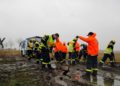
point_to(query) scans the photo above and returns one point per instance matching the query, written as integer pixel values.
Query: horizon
(20, 19)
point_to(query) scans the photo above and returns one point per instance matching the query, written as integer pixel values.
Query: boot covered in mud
(49, 66)
(43, 66)
(73, 62)
(87, 76)
(94, 79)
(94, 73)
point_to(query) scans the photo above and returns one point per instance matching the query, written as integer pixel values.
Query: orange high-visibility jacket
(93, 46)
(64, 48)
(77, 46)
(58, 46)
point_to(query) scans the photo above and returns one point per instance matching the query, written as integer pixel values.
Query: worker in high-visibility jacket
(30, 48)
(58, 50)
(64, 51)
(77, 49)
(92, 50)
(45, 56)
(47, 44)
(37, 52)
(49, 41)
(72, 52)
(108, 53)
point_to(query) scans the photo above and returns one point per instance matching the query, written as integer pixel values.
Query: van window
(23, 44)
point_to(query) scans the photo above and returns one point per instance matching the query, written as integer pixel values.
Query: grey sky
(24, 18)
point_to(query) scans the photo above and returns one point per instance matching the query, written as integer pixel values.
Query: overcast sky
(26, 18)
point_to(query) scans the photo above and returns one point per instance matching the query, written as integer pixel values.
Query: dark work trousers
(111, 57)
(92, 63)
(45, 59)
(59, 56)
(64, 55)
(30, 54)
(51, 49)
(77, 53)
(73, 57)
(107, 56)
(37, 56)
(83, 54)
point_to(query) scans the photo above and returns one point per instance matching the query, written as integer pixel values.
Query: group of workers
(51, 48)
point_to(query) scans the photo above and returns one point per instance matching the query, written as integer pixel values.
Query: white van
(24, 44)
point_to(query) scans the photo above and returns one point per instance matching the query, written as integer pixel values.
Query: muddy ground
(18, 71)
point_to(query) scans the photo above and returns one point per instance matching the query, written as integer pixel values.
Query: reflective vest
(50, 41)
(30, 45)
(71, 46)
(108, 51)
(37, 46)
(41, 45)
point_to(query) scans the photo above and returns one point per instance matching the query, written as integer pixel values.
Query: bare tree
(1, 42)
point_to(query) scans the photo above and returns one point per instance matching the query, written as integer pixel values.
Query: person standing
(92, 51)
(58, 51)
(72, 51)
(77, 49)
(64, 50)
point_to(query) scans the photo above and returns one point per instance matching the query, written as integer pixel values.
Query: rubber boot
(73, 62)
(69, 62)
(94, 79)
(49, 66)
(94, 74)
(43, 66)
(87, 76)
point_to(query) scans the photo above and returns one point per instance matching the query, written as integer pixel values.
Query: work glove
(77, 36)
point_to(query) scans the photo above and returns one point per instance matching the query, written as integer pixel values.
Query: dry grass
(117, 56)
(13, 53)
(9, 53)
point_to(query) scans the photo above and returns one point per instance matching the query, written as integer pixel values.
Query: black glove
(77, 36)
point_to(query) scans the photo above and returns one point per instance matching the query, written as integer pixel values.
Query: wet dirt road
(18, 71)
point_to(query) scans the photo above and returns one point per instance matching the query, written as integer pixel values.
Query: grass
(14, 53)
(117, 56)
(9, 53)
